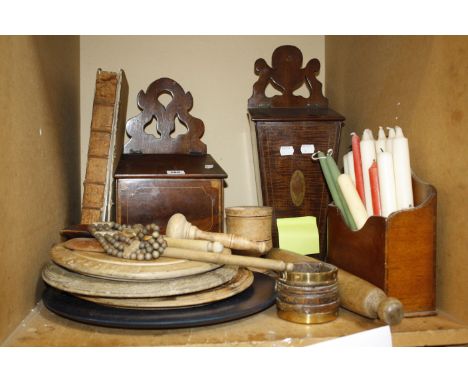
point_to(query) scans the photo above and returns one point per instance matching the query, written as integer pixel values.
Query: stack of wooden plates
(81, 275)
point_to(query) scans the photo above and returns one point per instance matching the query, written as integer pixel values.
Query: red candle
(355, 144)
(375, 190)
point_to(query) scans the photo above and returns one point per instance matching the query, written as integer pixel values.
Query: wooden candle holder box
(397, 253)
(285, 130)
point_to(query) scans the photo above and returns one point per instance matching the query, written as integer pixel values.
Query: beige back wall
(420, 84)
(39, 155)
(217, 70)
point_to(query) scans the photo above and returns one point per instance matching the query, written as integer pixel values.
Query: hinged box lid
(293, 114)
(168, 166)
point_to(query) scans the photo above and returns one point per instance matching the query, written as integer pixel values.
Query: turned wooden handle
(197, 245)
(356, 294)
(232, 241)
(220, 258)
(179, 227)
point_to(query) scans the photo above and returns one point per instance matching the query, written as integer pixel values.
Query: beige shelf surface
(44, 328)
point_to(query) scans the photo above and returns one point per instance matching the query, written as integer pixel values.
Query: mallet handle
(230, 240)
(197, 245)
(221, 258)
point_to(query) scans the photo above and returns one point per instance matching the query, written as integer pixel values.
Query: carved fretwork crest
(287, 75)
(151, 108)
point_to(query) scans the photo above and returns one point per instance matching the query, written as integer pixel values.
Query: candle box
(285, 130)
(396, 254)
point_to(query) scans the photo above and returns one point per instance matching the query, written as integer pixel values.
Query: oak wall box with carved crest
(286, 129)
(159, 175)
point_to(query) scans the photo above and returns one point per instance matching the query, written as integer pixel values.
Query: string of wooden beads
(136, 242)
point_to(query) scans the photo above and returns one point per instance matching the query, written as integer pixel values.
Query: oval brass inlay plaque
(297, 187)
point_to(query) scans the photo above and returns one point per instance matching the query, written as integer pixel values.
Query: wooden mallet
(179, 227)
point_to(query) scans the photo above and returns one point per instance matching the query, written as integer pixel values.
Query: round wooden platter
(76, 283)
(99, 264)
(240, 282)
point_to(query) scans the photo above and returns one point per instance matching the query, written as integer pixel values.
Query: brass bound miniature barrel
(308, 294)
(251, 222)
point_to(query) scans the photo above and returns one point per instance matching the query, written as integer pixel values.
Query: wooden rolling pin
(356, 294)
(220, 258)
(179, 227)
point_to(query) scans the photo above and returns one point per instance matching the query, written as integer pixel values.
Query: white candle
(368, 134)
(345, 165)
(381, 140)
(356, 207)
(402, 170)
(349, 158)
(388, 143)
(386, 183)
(367, 157)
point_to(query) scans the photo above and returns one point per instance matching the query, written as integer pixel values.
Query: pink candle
(356, 146)
(375, 191)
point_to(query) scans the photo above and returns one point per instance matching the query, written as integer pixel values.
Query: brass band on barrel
(305, 318)
(308, 294)
(310, 274)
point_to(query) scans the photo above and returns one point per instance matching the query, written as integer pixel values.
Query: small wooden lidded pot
(308, 294)
(251, 222)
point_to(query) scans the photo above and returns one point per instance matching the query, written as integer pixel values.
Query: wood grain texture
(92, 245)
(154, 166)
(397, 254)
(432, 114)
(275, 172)
(84, 244)
(76, 283)
(187, 249)
(240, 282)
(44, 328)
(355, 294)
(253, 223)
(164, 174)
(292, 184)
(105, 145)
(287, 75)
(221, 258)
(179, 107)
(102, 265)
(179, 227)
(146, 193)
(148, 201)
(40, 156)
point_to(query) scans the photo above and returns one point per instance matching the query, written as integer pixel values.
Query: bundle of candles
(376, 179)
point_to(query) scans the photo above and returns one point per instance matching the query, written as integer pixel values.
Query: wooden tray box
(397, 254)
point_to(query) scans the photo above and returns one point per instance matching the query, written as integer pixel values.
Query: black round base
(259, 296)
